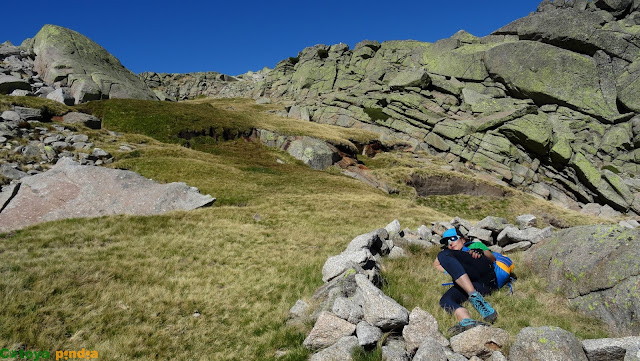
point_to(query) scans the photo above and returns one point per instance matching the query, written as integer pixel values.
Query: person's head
(452, 239)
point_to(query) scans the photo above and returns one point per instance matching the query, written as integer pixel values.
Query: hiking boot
(464, 325)
(486, 311)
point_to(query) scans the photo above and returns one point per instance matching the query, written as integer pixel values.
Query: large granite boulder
(532, 131)
(447, 57)
(70, 190)
(314, 152)
(573, 29)
(571, 78)
(63, 55)
(598, 269)
(379, 309)
(546, 343)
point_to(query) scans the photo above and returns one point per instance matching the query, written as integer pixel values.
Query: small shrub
(323, 54)
(611, 168)
(294, 60)
(359, 354)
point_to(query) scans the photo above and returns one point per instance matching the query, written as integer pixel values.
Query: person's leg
(465, 283)
(451, 301)
(449, 261)
(461, 313)
(487, 312)
(451, 264)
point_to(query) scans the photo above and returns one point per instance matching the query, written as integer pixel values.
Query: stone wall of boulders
(547, 104)
(351, 311)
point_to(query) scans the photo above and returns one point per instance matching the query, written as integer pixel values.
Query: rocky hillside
(66, 66)
(547, 104)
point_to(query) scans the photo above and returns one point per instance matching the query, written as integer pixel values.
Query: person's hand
(476, 253)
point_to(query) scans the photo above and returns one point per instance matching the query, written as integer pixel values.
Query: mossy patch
(376, 114)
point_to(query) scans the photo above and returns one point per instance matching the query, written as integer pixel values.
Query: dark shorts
(480, 272)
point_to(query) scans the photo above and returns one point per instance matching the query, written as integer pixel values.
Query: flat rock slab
(70, 190)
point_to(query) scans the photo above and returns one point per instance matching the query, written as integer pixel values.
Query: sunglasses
(451, 239)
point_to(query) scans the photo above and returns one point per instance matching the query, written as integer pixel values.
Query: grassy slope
(128, 286)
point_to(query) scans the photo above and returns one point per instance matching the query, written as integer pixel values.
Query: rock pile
(17, 74)
(30, 142)
(350, 311)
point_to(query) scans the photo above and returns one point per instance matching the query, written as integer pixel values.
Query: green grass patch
(49, 107)
(362, 355)
(470, 207)
(224, 118)
(376, 114)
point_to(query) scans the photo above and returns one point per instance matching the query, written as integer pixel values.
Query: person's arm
(437, 265)
(490, 256)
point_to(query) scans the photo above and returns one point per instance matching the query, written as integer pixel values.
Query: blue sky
(233, 37)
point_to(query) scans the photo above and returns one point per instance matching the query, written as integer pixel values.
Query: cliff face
(548, 103)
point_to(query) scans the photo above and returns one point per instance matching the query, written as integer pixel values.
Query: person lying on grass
(473, 276)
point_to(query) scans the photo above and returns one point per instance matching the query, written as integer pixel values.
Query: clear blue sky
(233, 37)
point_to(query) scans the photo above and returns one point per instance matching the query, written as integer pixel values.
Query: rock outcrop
(598, 269)
(547, 104)
(65, 56)
(71, 190)
(66, 66)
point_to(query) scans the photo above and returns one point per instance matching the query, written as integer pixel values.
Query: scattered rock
(379, 309)
(327, 331)
(479, 341)
(80, 118)
(422, 326)
(367, 335)
(430, 350)
(546, 343)
(340, 351)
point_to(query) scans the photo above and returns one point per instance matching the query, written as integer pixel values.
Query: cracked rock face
(70, 190)
(598, 269)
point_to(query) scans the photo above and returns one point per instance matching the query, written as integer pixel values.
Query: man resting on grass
(473, 276)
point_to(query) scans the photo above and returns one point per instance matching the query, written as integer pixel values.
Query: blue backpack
(503, 267)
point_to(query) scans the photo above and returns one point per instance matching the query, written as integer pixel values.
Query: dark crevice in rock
(575, 45)
(6, 202)
(427, 185)
(219, 134)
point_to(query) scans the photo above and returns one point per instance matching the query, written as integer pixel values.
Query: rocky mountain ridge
(546, 104)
